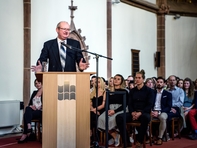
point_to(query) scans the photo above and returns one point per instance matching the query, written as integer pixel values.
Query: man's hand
(37, 68)
(185, 108)
(136, 115)
(33, 107)
(173, 110)
(155, 113)
(82, 65)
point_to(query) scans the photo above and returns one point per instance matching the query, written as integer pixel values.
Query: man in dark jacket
(162, 105)
(59, 57)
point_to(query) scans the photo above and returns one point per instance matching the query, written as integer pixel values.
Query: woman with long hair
(97, 109)
(115, 107)
(188, 88)
(32, 111)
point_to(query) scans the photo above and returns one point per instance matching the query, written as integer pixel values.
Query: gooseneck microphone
(71, 47)
(68, 46)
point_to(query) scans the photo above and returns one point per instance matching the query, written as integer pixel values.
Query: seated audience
(140, 103)
(115, 107)
(32, 111)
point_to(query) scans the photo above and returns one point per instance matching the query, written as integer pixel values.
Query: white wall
(11, 50)
(131, 29)
(181, 47)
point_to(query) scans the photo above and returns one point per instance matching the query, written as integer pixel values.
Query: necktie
(62, 56)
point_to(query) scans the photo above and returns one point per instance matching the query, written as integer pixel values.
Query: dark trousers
(29, 115)
(170, 116)
(144, 119)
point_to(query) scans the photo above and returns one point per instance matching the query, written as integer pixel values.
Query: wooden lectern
(66, 109)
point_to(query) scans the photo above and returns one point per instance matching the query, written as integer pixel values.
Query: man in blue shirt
(177, 100)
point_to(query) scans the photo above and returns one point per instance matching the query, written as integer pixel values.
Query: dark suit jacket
(166, 101)
(50, 52)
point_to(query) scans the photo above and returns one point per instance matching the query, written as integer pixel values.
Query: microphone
(71, 47)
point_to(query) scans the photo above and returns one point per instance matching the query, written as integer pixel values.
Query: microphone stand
(96, 143)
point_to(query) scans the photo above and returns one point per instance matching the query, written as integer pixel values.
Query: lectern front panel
(66, 112)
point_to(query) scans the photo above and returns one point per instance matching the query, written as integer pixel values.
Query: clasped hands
(154, 113)
(111, 112)
(34, 107)
(135, 115)
(94, 110)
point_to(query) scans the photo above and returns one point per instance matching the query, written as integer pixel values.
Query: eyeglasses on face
(65, 29)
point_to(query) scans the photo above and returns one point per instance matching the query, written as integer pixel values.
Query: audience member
(180, 83)
(140, 104)
(188, 88)
(162, 105)
(92, 82)
(129, 78)
(149, 83)
(177, 101)
(97, 108)
(110, 83)
(115, 107)
(131, 84)
(32, 111)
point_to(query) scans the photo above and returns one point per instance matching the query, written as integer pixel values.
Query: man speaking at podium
(59, 57)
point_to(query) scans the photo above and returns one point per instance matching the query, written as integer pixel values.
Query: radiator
(9, 113)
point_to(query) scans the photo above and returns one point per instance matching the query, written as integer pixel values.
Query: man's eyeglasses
(65, 29)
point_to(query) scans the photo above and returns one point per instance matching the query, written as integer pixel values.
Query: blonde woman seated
(115, 107)
(101, 102)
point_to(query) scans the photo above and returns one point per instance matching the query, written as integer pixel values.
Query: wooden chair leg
(150, 134)
(172, 129)
(35, 130)
(134, 136)
(179, 128)
(39, 133)
(144, 143)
